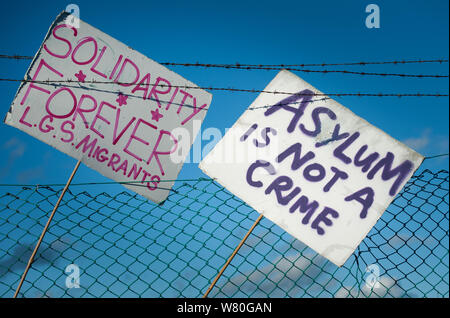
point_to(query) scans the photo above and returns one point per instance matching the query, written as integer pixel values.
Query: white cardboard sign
(311, 166)
(107, 105)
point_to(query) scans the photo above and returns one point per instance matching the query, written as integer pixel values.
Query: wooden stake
(30, 261)
(232, 256)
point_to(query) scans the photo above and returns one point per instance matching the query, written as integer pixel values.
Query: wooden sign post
(31, 259)
(232, 256)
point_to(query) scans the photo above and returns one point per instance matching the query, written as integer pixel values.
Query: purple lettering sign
(312, 166)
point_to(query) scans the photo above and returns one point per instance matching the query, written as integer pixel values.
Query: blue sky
(253, 32)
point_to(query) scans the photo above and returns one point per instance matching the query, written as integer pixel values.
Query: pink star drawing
(81, 76)
(156, 115)
(122, 99)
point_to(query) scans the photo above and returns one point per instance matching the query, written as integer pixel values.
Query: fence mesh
(126, 246)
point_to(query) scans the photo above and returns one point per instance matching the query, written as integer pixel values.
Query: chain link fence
(126, 246)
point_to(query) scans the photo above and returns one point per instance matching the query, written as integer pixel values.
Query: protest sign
(311, 166)
(99, 101)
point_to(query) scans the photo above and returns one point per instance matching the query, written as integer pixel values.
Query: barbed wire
(232, 89)
(398, 62)
(198, 64)
(279, 104)
(294, 67)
